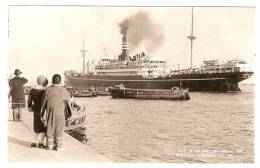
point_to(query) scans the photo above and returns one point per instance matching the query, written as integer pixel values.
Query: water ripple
(209, 128)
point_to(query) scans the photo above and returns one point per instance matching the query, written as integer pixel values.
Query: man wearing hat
(17, 93)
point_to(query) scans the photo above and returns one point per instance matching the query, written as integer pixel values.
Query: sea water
(209, 128)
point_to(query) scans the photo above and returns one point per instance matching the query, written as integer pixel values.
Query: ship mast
(83, 55)
(191, 37)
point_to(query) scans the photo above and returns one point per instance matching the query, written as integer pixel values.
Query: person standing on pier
(34, 105)
(16, 91)
(53, 103)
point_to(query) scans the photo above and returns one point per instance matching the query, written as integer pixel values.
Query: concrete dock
(20, 137)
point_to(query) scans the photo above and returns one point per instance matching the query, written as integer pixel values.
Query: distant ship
(142, 71)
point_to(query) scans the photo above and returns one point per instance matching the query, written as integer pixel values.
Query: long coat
(34, 102)
(17, 91)
(53, 103)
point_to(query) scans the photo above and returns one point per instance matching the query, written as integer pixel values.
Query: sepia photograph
(131, 84)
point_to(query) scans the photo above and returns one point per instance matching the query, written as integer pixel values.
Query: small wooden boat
(84, 94)
(81, 92)
(101, 91)
(76, 124)
(175, 93)
(77, 119)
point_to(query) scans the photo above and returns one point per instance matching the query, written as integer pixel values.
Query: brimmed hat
(17, 72)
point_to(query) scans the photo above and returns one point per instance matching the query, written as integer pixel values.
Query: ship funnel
(125, 47)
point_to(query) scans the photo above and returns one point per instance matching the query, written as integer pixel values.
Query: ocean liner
(142, 71)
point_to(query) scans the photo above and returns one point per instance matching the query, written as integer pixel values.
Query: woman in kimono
(34, 105)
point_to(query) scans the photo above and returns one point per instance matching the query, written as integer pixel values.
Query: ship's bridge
(139, 64)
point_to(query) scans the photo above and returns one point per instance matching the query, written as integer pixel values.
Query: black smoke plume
(141, 29)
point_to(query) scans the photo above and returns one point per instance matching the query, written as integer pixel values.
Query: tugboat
(175, 93)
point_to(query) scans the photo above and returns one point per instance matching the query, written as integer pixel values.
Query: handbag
(67, 110)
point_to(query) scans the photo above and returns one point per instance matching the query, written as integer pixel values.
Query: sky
(48, 39)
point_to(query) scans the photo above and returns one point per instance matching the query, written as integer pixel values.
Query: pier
(20, 137)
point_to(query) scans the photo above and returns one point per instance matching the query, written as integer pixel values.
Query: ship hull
(222, 82)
